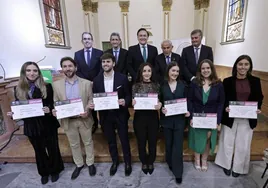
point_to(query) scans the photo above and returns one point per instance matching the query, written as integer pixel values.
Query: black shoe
(151, 169)
(144, 168)
(113, 168)
(92, 170)
(55, 177)
(178, 180)
(44, 180)
(94, 128)
(235, 175)
(128, 169)
(227, 172)
(76, 172)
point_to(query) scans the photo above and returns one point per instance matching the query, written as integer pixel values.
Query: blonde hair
(23, 86)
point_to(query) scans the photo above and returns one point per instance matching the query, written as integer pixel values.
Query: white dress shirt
(199, 50)
(109, 83)
(85, 53)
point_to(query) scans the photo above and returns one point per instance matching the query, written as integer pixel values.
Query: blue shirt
(72, 90)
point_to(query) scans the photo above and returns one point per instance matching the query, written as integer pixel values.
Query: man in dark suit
(120, 54)
(162, 60)
(111, 81)
(140, 53)
(88, 65)
(193, 55)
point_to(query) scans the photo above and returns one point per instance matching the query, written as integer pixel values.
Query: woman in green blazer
(172, 89)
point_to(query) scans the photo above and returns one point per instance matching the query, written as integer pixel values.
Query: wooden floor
(20, 150)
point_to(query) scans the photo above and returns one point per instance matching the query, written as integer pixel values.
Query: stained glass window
(234, 29)
(54, 29)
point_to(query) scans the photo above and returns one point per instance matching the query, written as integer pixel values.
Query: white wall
(146, 12)
(255, 44)
(22, 37)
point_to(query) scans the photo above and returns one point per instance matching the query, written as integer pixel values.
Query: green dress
(198, 137)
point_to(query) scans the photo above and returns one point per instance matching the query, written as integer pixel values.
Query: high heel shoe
(144, 168)
(151, 169)
(204, 168)
(197, 165)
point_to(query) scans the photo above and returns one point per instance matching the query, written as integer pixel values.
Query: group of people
(171, 76)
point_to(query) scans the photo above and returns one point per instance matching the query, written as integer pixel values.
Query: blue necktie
(116, 56)
(167, 59)
(88, 57)
(144, 53)
(196, 55)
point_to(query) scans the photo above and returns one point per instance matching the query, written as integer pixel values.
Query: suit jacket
(85, 90)
(189, 65)
(161, 65)
(42, 125)
(85, 71)
(230, 95)
(121, 87)
(176, 121)
(214, 104)
(135, 58)
(121, 65)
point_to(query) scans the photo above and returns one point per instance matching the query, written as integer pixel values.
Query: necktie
(116, 56)
(167, 59)
(144, 53)
(196, 55)
(88, 57)
(31, 90)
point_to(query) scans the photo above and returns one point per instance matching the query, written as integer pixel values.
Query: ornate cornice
(95, 7)
(87, 5)
(201, 4)
(166, 5)
(124, 6)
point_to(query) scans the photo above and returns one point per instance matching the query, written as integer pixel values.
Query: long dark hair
(246, 57)
(139, 74)
(170, 65)
(213, 76)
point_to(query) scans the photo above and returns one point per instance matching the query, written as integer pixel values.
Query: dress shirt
(146, 48)
(72, 90)
(109, 83)
(199, 50)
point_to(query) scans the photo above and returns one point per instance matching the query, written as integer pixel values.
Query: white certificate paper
(243, 109)
(175, 107)
(145, 101)
(205, 120)
(69, 108)
(105, 101)
(27, 109)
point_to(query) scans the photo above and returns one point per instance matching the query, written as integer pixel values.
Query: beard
(108, 70)
(69, 74)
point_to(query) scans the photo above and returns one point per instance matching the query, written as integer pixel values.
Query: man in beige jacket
(72, 87)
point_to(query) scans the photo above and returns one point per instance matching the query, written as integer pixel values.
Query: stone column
(201, 15)
(124, 5)
(91, 20)
(166, 13)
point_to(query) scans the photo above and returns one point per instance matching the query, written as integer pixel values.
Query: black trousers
(174, 149)
(109, 126)
(146, 125)
(47, 154)
(95, 118)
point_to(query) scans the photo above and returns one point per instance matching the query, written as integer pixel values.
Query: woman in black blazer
(172, 89)
(236, 133)
(41, 131)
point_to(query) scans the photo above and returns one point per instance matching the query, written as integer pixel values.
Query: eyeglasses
(87, 38)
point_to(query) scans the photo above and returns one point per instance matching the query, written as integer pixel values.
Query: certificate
(205, 121)
(105, 101)
(69, 108)
(27, 109)
(145, 101)
(243, 109)
(175, 107)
